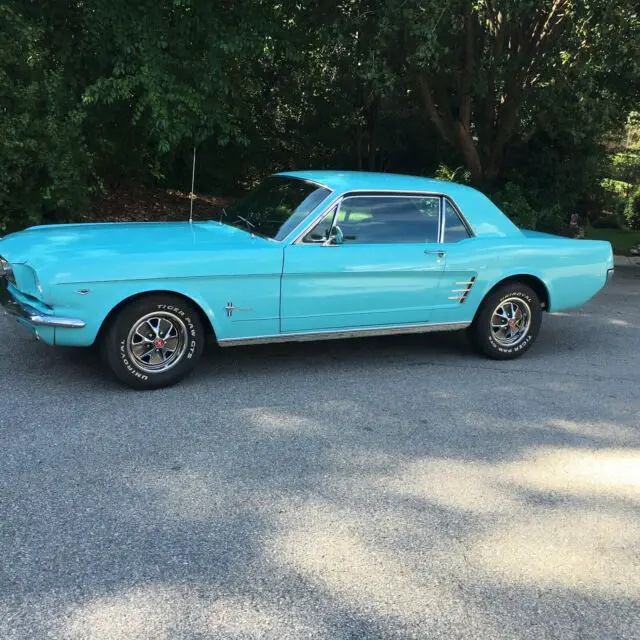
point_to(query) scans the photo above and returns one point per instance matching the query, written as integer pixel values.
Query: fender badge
(230, 308)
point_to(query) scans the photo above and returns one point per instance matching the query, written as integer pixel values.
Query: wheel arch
(205, 317)
(535, 282)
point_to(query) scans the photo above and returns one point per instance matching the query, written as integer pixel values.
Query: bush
(512, 201)
(632, 211)
(460, 174)
(43, 161)
(611, 221)
(516, 205)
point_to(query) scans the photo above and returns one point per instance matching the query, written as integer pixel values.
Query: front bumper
(22, 310)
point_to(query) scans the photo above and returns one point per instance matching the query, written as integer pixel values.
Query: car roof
(348, 180)
(483, 216)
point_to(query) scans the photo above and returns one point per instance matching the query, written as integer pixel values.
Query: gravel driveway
(377, 488)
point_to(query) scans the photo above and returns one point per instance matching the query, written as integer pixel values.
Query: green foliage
(617, 187)
(527, 96)
(493, 75)
(623, 241)
(607, 221)
(460, 174)
(43, 162)
(632, 211)
(625, 168)
(513, 201)
(187, 70)
(623, 171)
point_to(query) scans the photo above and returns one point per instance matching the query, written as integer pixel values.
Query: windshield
(276, 207)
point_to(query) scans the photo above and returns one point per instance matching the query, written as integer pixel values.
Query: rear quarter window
(454, 229)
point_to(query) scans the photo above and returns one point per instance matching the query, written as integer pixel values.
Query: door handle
(439, 253)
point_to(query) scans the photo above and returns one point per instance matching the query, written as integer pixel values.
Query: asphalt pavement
(376, 488)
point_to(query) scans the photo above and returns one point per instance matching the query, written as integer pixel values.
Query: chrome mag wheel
(157, 342)
(510, 322)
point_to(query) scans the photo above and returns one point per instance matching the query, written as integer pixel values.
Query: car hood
(39, 245)
(69, 249)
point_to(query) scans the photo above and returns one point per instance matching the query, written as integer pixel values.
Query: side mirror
(335, 236)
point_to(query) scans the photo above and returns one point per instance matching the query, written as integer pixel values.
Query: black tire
(496, 345)
(124, 347)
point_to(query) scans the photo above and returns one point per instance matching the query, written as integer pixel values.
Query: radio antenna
(192, 195)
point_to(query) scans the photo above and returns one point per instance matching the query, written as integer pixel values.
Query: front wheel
(508, 321)
(154, 341)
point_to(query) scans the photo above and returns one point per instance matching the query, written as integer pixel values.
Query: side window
(389, 219)
(454, 229)
(320, 233)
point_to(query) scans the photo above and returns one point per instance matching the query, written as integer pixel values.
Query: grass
(622, 241)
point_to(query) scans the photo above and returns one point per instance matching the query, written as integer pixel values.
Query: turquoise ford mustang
(307, 255)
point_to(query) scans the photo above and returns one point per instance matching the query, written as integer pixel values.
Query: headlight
(26, 280)
(21, 276)
(6, 271)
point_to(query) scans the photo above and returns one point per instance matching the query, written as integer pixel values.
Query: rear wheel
(507, 322)
(154, 341)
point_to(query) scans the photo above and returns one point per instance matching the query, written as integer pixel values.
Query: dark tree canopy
(97, 94)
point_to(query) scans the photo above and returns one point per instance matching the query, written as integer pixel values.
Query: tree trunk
(373, 128)
(481, 123)
(453, 130)
(469, 152)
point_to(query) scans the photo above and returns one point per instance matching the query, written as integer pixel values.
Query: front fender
(95, 303)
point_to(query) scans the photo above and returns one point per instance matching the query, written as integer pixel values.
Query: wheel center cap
(158, 343)
(512, 324)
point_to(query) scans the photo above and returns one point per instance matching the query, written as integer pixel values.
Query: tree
(481, 83)
(43, 160)
(94, 94)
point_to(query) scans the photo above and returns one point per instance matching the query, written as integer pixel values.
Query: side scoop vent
(460, 294)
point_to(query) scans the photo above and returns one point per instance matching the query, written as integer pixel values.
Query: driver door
(381, 268)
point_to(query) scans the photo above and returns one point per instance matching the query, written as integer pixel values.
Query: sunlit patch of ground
(579, 549)
(605, 472)
(158, 611)
(132, 615)
(594, 429)
(544, 539)
(333, 551)
(276, 422)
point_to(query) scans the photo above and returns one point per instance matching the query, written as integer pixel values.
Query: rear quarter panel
(573, 271)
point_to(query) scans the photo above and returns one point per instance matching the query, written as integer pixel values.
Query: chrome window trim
(373, 193)
(456, 208)
(400, 195)
(441, 221)
(309, 180)
(305, 228)
(285, 240)
(294, 231)
(335, 208)
(307, 225)
(338, 334)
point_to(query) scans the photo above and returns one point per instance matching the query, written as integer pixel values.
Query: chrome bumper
(610, 273)
(24, 311)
